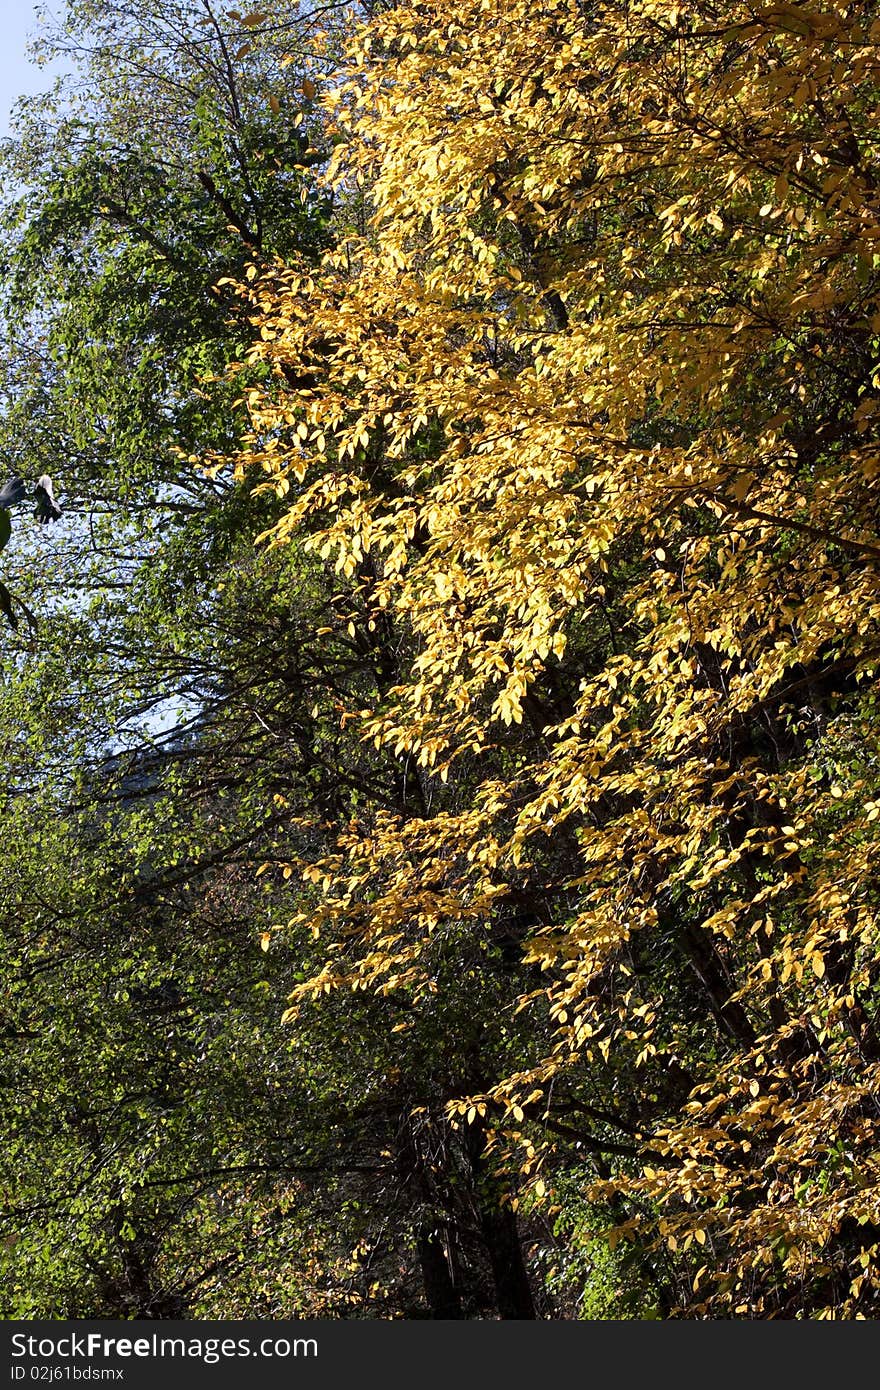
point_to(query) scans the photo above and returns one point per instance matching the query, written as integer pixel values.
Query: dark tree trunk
(441, 1294)
(512, 1290)
(513, 1294)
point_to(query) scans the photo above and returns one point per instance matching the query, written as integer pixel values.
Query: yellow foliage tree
(589, 412)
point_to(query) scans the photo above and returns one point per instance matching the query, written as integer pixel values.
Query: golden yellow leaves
(566, 396)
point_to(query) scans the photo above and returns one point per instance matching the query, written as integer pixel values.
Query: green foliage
(601, 1281)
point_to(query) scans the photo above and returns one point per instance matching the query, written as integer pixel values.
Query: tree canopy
(483, 400)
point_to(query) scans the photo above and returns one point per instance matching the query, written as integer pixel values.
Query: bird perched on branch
(47, 508)
(16, 490)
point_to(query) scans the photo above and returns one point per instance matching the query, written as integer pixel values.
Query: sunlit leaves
(595, 393)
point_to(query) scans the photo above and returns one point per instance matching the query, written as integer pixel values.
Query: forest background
(441, 733)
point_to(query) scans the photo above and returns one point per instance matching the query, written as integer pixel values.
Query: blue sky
(17, 75)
